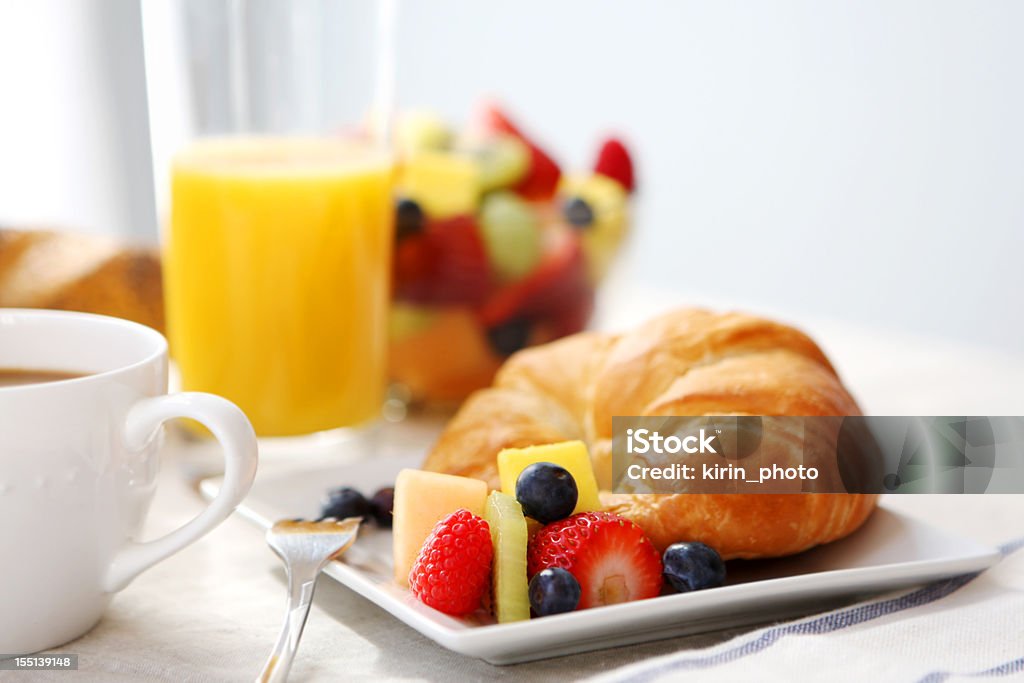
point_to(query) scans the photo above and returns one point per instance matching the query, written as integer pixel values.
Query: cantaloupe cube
(572, 455)
(422, 499)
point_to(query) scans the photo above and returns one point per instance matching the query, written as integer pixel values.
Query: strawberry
(453, 570)
(557, 285)
(611, 558)
(541, 178)
(614, 162)
(571, 319)
(414, 262)
(491, 119)
(445, 264)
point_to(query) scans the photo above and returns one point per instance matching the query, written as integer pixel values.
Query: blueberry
(547, 492)
(381, 505)
(344, 502)
(509, 337)
(553, 591)
(693, 566)
(578, 212)
(409, 219)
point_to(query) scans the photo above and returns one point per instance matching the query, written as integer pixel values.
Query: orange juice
(277, 263)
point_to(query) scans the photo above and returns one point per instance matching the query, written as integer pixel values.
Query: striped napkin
(965, 628)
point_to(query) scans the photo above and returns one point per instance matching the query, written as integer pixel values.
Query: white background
(858, 160)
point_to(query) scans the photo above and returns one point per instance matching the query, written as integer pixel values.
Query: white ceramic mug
(78, 466)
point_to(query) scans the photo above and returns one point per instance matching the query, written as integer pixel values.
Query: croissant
(65, 271)
(687, 362)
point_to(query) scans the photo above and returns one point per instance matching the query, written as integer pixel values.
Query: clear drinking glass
(274, 181)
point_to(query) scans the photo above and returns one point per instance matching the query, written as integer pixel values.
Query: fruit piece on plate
(447, 360)
(504, 160)
(443, 183)
(554, 591)
(453, 568)
(546, 491)
(693, 567)
(382, 504)
(613, 161)
(558, 289)
(406, 320)
(418, 130)
(511, 234)
(611, 558)
(446, 264)
(508, 532)
(541, 179)
(597, 207)
(572, 455)
(421, 500)
(344, 502)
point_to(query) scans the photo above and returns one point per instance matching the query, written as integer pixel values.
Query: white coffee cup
(78, 466)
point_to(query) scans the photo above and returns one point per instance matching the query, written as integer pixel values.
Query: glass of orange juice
(278, 219)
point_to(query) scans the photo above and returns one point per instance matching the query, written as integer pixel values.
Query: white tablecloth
(212, 612)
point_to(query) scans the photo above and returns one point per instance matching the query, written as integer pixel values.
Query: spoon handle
(301, 583)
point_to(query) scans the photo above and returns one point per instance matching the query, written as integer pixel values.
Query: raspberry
(453, 570)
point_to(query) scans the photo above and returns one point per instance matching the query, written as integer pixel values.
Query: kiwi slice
(504, 514)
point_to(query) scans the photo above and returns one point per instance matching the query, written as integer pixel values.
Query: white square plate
(891, 551)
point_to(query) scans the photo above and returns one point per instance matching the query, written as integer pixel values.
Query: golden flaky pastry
(70, 272)
(688, 362)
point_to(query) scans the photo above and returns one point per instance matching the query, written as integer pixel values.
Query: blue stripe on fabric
(1014, 667)
(825, 624)
(1011, 546)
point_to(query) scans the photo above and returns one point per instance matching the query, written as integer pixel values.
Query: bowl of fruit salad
(496, 248)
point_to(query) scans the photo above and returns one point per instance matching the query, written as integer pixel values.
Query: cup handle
(238, 441)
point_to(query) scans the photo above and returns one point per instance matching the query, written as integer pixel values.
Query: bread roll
(688, 362)
(65, 271)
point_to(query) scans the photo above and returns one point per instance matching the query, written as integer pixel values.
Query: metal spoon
(305, 548)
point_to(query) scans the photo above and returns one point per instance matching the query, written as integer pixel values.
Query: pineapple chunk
(444, 183)
(609, 202)
(572, 455)
(422, 499)
(511, 600)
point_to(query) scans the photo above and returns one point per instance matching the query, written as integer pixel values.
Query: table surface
(211, 613)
